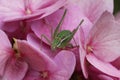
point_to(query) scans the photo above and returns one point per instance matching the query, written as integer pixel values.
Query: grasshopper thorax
(61, 39)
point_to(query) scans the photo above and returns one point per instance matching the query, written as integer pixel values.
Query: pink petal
(4, 41)
(59, 77)
(93, 9)
(15, 70)
(104, 77)
(115, 63)
(66, 63)
(83, 62)
(16, 29)
(36, 42)
(35, 75)
(37, 59)
(36, 5)
(11, 10)
(109, 5)
(5, 50)
(117, 17)
(10, 26)
(46, 30)
(32, 75)
(3, 60)
(82, 53)
(49, 10)
(105, 67)
(105, 43)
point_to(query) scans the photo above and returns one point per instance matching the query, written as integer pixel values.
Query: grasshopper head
(53, 47)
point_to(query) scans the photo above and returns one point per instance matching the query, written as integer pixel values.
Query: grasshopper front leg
(43, 36)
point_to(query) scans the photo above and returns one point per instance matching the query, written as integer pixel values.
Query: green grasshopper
(61, 39)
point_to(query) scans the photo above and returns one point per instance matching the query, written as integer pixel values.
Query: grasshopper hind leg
(69, 45)
(75, 42)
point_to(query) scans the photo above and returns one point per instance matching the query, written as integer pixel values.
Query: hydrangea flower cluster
(29, 27)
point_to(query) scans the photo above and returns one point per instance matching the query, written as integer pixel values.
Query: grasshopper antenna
(58, 26)
(79, 24)
(75, 30)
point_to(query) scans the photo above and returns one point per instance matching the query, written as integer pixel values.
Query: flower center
(44, 74)
(28, 11)
(89, 49)
(27, 7)
(17, 54)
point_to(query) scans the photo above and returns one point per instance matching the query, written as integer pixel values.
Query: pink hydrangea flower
(58, 67)
(24, 9)
(101, 46)
(12, 66)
